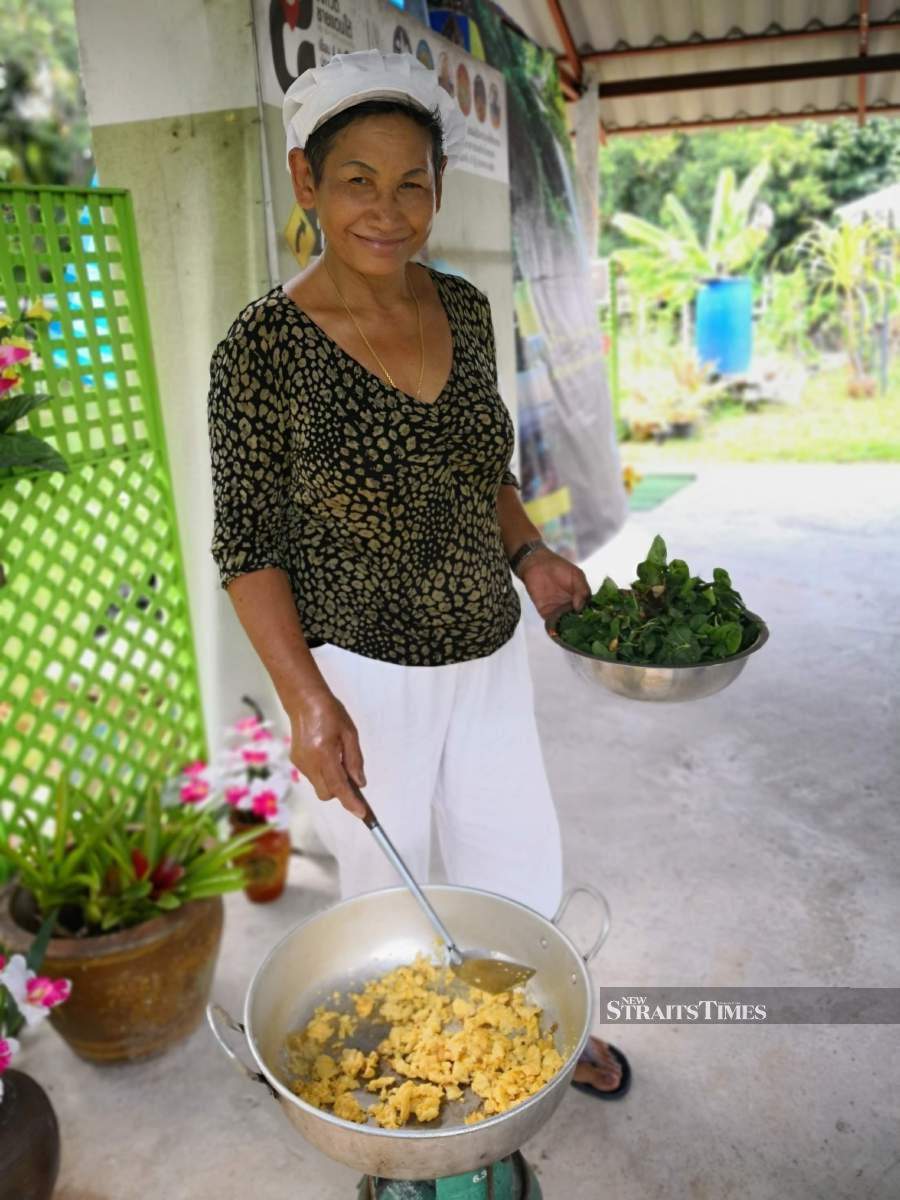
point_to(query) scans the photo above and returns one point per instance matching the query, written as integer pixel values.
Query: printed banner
(570, 471)
(479, 91)
(294, 36)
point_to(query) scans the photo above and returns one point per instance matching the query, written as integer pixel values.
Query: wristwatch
(523, 552)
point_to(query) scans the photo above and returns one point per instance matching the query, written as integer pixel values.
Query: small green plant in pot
(136, 887)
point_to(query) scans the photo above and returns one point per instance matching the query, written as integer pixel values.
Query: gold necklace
(369, 345)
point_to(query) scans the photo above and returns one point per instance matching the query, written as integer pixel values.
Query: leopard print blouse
(380, 508)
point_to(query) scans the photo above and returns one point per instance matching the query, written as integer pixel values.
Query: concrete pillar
(171, 94)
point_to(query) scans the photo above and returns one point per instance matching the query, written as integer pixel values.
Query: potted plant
(134, 886)
(29, 1132)
(250, 781)
(670, 262)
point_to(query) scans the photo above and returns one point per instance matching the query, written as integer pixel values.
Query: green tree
(44, 132)
(815, 167)
(859, 161)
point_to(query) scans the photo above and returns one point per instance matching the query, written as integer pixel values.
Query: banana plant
(670, 261)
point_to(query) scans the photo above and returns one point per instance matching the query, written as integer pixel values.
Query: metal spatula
(490, 974)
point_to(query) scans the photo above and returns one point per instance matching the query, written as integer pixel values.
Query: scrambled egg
(441, 1044)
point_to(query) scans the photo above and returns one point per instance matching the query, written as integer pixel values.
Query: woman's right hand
(325, 748)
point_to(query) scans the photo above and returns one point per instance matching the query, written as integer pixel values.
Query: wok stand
(510, 1179)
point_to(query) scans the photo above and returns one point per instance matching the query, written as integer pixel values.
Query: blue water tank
(725, 324)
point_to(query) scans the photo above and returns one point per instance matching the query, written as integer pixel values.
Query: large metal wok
(364, 937)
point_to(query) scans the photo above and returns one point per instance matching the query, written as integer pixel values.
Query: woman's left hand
(552, 581)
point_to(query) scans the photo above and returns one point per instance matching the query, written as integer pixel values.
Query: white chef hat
(349, 79)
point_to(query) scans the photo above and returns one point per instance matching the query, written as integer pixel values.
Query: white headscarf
(349, 79)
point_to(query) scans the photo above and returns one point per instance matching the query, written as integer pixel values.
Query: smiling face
(377, 194)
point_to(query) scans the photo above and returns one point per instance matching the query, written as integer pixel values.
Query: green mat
(654, 489)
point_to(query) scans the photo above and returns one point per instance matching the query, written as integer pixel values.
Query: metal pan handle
(605, 915)
(215, 1014)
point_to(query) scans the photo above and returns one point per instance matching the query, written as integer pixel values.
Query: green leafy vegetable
(668, 617)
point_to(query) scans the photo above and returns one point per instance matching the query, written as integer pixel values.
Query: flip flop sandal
(624, 1083)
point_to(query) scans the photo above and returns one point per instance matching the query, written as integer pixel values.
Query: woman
(366, 521)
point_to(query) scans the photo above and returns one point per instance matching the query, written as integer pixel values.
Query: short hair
(321, 140)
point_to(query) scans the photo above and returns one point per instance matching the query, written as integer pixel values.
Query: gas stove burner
(509, 1179)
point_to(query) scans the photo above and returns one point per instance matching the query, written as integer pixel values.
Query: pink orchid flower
(194, 768)
(7, 382)
(47, 993)
(2, 961)
(194, 791)
(265, 804)
(234, 795)
(255, 758)
(12, 354)
(9, 1047)
(295, 775)
(19, 979)
(246, 725)
(262, 735)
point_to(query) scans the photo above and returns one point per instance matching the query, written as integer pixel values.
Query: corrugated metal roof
(620, 26)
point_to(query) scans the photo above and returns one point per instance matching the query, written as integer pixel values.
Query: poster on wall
(295, 35)
(456, 27)
(479, 90)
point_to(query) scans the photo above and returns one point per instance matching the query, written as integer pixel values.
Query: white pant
(459, 741)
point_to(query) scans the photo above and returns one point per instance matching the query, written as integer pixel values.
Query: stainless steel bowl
(655, 683)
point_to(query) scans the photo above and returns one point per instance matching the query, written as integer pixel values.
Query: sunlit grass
(825, 426)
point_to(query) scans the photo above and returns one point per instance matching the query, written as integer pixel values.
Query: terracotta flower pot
(29, 1140)
(265, 860)
(135, 993)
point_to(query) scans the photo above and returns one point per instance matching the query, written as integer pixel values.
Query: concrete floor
(746, 839)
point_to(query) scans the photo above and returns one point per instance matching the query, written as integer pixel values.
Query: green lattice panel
(98, 679)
